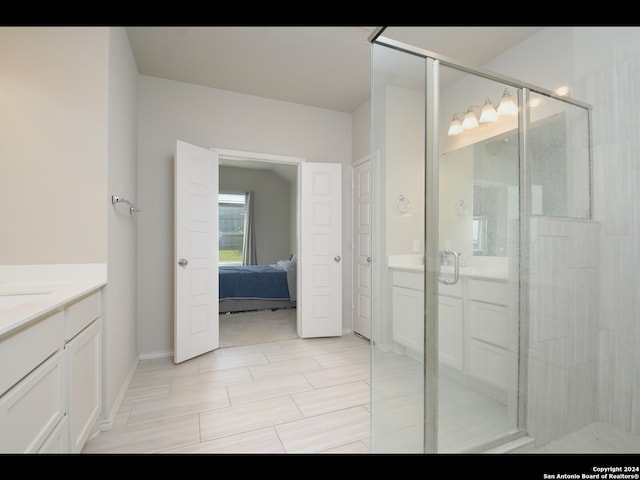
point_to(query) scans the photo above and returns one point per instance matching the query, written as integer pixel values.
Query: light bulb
(507, 106)
(470, 121)
(455, 127)
(489, 113)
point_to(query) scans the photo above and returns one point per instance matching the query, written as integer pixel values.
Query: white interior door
(362, 248)
(320, 259)
(196, 251)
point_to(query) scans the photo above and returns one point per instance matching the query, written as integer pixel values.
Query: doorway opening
(274, 188)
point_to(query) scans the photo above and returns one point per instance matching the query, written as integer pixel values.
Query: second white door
(362, 248)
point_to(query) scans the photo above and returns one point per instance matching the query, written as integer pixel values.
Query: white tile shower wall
(611, 91)
(562, 327)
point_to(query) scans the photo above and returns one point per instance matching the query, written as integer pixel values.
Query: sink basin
(10, 300)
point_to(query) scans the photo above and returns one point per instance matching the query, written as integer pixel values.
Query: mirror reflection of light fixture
(507, 106)
(470, 120)
(455, 127)
(489, 113)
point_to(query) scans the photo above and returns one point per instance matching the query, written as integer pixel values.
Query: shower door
(477, 259)
(445, 244)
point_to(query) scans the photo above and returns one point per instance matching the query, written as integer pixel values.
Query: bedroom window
(231, 212)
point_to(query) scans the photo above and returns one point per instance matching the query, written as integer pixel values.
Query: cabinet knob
(183, 262)
(369, 259)
(337, 258)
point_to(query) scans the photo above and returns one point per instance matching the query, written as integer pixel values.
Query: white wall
(361, 131)
(53, 119)
(120, 295)
(271, 215)
(69, 140)
(170, 111)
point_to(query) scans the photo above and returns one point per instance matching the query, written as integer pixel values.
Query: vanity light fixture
(470, 120)
(455, 127)
(489, 113)
(507, 106)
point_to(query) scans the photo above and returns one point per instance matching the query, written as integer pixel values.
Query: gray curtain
(249, 255)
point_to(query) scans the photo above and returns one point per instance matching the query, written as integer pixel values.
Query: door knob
(337, 258)
(183, 262)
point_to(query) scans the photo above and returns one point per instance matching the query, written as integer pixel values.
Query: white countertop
(30, 292)
(464, 272)
(484, 270)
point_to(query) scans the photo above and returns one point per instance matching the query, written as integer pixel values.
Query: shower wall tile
(562, 326)
(615, 379)
(619, 284)
(617, 194)
(606, 365)
(623, 381)
(580, 396)
(635, 208)
(547, 404)
(583, 322)
(600, 188)
(555, 352)
(635, 405)
(584, 244)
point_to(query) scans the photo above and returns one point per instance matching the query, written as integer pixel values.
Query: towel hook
(116, 199)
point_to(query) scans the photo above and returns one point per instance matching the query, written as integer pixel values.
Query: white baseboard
(107, 423)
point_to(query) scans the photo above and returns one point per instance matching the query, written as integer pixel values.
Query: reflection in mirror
(485, 176)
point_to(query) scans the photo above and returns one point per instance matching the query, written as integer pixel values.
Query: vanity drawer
(80, 314)
(30, 411)
(28, 348)
(406, 279)
(490, 292)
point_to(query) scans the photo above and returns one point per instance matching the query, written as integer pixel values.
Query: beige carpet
(250, 328)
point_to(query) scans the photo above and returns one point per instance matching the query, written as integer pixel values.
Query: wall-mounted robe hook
(116, 199)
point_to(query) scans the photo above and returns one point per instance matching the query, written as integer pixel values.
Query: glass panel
(558, 149)
(471, 293)
(398, 139)
(478, 307)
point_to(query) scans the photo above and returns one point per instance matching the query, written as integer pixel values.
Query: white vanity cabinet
(451, 325)
(408, 308)
(83, 351)
(474, 327)
(50, 380)
(489, 328)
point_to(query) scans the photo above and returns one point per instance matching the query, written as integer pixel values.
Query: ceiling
(325, 67)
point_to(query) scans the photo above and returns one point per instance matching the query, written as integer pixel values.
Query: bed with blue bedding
(257, 287)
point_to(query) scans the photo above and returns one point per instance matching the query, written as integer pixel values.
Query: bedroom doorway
(319, 244)
(257, 231)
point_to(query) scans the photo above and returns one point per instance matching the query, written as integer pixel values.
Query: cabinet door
(85, 385)
(30, 411)
(408, 327)
(450, 331)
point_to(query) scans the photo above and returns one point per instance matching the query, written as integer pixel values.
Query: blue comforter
(253, 281)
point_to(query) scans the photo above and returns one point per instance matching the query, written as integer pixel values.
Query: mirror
(480, 180)
(484, 177)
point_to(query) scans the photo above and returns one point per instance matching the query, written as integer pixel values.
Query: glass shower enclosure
(463, 160)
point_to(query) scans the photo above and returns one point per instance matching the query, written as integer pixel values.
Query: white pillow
(285, 264)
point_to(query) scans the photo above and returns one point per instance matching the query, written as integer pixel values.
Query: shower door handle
(456, 267)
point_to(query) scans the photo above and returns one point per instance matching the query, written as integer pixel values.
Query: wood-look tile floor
(304, 396)
(290, 396)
